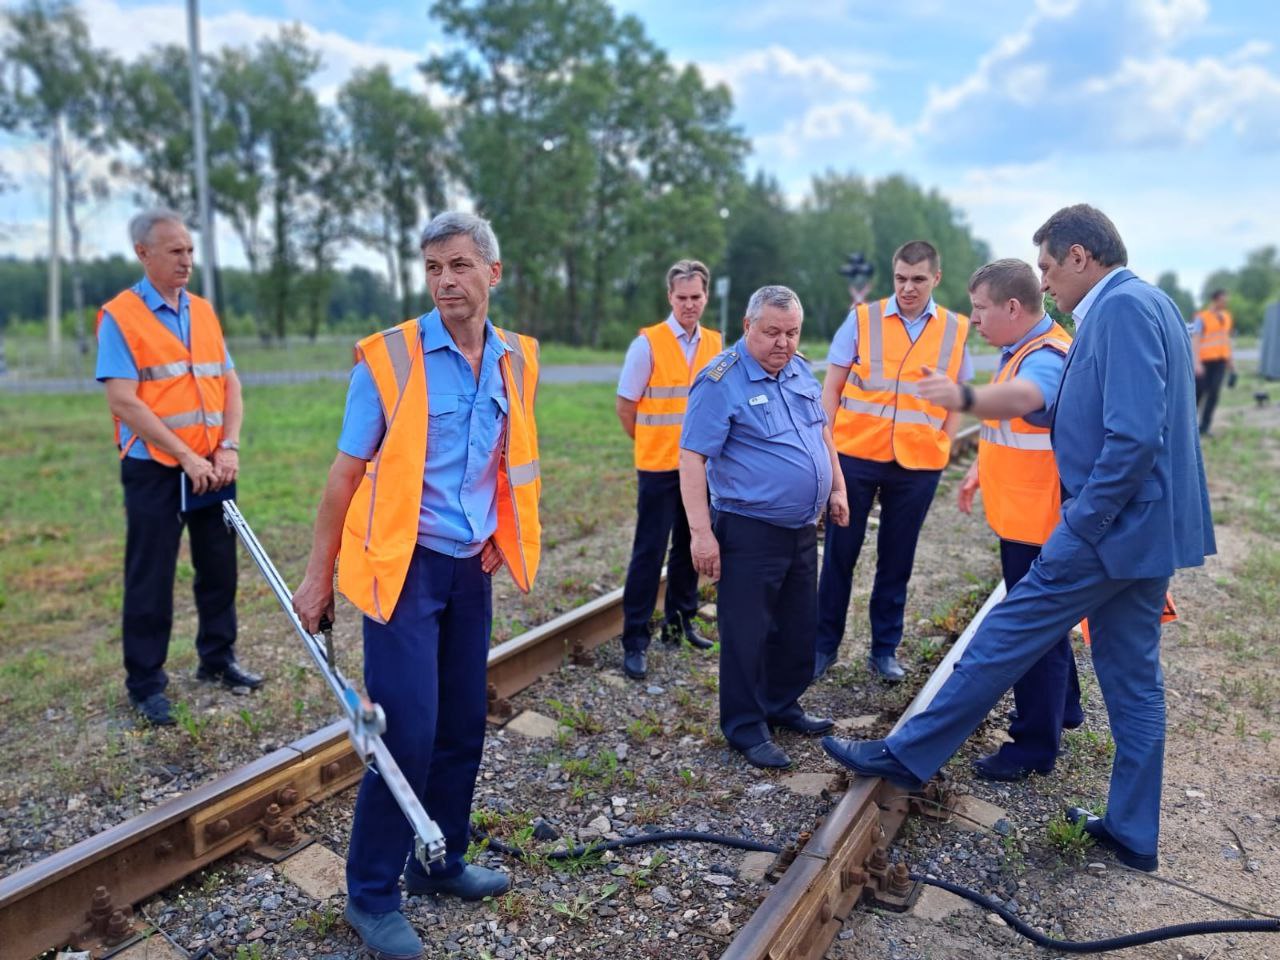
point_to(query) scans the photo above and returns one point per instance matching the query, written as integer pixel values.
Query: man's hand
(490, 557)
(838, 508)
(1199, 369)
(226, 467)
(706, 553)
(200, 472)
(968, 487)
(313, 602)
(937, 388)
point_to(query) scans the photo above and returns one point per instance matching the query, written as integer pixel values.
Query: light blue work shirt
(844, 345)
(762, 437)
(466, 417)
(1086, 302)
(1042, 366)
(637, 365)
(115, 359)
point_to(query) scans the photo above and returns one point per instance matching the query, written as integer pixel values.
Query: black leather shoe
(697, 640)
(1094, 827)
(870, 758)
(673, 632)
(995, 767)
(887, 668)
(634, 664)
(231, 676)
(154, 709)
(767, 754)
(473, 883)
(821, 663)
(806, 723)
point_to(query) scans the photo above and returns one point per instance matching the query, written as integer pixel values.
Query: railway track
(83, 895)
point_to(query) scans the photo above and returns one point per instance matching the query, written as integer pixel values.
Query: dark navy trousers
(905, 496)
(1065, 584)
(660, 518)
(1049, 693)
(766, 608)
(426, 668)
(153, 533)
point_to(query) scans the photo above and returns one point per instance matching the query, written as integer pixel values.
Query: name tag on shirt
(756, 401)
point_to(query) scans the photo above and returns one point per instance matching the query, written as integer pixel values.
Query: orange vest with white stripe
(1021, 492)
(881, 417)
(660, 410)
(185, 388)
(381, 526)
(1215, 334)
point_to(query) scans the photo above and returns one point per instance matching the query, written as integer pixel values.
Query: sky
(1163, 113)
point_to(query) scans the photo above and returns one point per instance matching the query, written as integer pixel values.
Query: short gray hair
(143, 223)
(774, 295)
(455, 223)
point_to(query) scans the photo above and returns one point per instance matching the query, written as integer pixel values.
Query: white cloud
(777, 64)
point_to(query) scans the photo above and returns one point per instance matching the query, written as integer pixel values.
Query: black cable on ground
(1111, 943)
(1173, 932)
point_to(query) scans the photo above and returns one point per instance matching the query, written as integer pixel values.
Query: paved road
(559, 373)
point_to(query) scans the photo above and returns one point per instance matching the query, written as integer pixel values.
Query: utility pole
(208, 255)
(55, 242)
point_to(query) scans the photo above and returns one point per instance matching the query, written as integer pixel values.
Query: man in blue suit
(1134, 509)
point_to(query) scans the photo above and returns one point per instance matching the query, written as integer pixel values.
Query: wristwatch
(966, 397)
(230, 445)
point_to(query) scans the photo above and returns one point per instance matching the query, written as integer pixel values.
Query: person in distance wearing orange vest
(893, 445)
(1211, 348)
(1020, 488)
(653, 391)
(434, 488)
(175, 397)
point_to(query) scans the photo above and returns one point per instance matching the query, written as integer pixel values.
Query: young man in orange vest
(434, 488)
(893, 445)
(653, 390)
(175, 396)
(1020, 488)
(1211, 348)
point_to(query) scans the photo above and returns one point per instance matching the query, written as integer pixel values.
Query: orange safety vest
(1016, 471)
(185, 388)
(1168, 615)
(880, 416)
(381, 526)
(660, 411)
(1215, 334)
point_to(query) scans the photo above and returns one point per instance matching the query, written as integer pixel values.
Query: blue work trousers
(1065, 584)
(660, 518)
(426, 668)
(766, 608)
(152, 496)
(1049, 693)
(905, 496)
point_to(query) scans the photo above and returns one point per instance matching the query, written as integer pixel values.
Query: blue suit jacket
(1125, 435)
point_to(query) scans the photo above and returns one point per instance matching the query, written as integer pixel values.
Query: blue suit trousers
(1065, 584)
(905, 496)
(426, 667)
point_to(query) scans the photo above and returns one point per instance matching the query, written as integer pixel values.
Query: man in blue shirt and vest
(175, 396)
(1135, 508)
(756, 435)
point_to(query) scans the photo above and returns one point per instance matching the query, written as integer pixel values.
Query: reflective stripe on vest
(380, 530)
(184, 387)
(1215, 334)
(881, 415)
(1017, 475)
(660, 409)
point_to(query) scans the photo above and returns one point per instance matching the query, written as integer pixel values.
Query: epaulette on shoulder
(718, 371)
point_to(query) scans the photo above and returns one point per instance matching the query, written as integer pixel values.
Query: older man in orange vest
(175, 396)
(434, 488)
(1211, 350)
(653, 391)
(893, 444)
(1020, 488)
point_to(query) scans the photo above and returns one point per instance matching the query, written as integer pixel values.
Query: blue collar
(151, 296)
(891, 308)
(1042, 326)
(436, 336)
(752, 366)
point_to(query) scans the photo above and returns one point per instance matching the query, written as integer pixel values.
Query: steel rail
(83, 895)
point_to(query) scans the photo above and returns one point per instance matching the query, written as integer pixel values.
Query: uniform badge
(727, 361)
